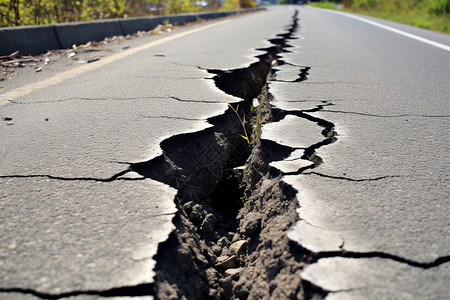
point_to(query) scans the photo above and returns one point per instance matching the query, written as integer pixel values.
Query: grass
(245, 136)
(328, 5)
(414, 17)
(256, 128)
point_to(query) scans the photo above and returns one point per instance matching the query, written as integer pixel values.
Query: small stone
(214, 236)
(213, 293)
(236, 237)
(232, 272)
(227, 285)
(208, 223)
(251, 224)
(187, 207)
(7, 118)
(272, 286)
(197, 214)
(237, 247)
(226, 262)
(223, 242)
(201, 260)
(93, 60)
(212, 274)
(273, 267)
(184, 258)
(216, 250)
(225, 252)
(242, 288)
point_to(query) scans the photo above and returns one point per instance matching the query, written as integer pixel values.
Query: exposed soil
(230, 240)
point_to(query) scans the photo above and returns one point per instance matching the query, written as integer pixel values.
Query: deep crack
(310, 152)
(130, 291)
(314, 257)
(232, 215)
(15, 102)
(353, 179)
(234, 211)
(302, 76)
(169, 117)
(385, 116)
(109, 179)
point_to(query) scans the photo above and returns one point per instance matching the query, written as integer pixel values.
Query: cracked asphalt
(375, 209)
(365, 114)
(75, 220)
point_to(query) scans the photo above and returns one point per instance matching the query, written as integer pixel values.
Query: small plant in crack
(245, 136)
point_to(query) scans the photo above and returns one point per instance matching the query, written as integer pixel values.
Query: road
(113, 172)
(377, 207)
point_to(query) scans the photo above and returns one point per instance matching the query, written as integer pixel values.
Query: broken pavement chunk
(232, 272)
(208, 224)
(237, 247)
(226, 262)
(347, 278)
(93, 60)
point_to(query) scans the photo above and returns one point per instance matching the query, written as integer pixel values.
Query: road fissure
(232, 215)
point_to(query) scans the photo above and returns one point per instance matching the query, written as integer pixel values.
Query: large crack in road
(232, 215)
(235, 212)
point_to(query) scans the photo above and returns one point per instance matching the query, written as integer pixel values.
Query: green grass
(245, 136)
(414, 17)
(328, 5)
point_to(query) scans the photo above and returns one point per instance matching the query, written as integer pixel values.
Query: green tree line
(38, 12)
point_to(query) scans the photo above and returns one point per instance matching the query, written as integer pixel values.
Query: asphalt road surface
(366, 119)
(378, 205)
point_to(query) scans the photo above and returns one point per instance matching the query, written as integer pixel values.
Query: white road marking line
(29, 88)
(392, 29)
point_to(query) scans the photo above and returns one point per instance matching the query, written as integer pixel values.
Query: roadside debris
(9, 63)
(8, 120)
(93, 60)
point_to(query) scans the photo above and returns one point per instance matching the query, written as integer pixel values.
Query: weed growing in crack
(245, 136)
(257, 123)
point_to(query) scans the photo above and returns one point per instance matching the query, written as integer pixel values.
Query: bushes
(35, 12)
(438, 7)
(231, 4)
(430, 14)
